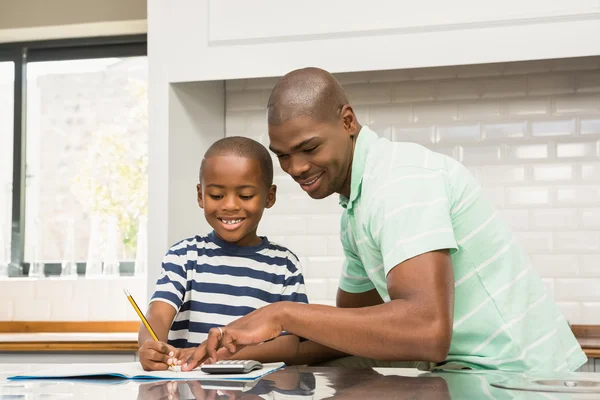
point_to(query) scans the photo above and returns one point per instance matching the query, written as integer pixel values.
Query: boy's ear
(271, 196)
(200, 199)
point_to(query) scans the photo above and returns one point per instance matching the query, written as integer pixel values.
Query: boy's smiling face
(234, 196)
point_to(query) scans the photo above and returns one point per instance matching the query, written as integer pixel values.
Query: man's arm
(415, 325)
(283, 348)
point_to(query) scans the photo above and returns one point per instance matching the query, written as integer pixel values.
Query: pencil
(142, 317)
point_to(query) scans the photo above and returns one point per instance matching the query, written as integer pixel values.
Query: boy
(210, 281)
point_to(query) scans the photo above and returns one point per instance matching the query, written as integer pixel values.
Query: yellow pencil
(142, 317)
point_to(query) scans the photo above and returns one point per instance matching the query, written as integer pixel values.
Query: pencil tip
(126, 292)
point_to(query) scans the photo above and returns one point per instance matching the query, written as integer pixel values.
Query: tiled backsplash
(529, 131)
(60, 299)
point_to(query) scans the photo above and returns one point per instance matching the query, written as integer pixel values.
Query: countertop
(292, 383)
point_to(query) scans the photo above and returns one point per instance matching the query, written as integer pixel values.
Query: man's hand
(254, 328)
(157, 356)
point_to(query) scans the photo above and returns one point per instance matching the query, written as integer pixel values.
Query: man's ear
(271, 196)
(349, 120)
(200, 198)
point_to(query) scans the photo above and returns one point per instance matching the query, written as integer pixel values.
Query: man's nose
(298, 166)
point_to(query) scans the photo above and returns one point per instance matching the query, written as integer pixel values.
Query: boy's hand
(156, 356)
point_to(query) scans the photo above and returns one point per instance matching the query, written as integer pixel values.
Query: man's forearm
(283, 348)
(398, 330)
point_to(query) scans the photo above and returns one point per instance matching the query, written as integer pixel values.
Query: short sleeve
(172, 283)
(293, 286)
(354, 278)
(412, 216)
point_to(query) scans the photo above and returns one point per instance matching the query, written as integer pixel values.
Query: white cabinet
(200, 40)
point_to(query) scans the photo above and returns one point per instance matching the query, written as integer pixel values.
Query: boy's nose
(230, 203)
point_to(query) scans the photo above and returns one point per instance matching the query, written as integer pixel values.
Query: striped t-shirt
(211, 283)
(406, 200)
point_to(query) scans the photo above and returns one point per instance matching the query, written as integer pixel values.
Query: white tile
(578, 241)
(413, 91)
(390, 115)
(535, 241)
(241, 123)
(434, 73)
(528, 107)
(575, 64)
(316, 289)
(528, 196)
(369, 93)
(578, 195)
(435, 113)
(458, 89)
(590, 171)
(235, 85)
(322, 224)
(55, 288)
(527, 67)
(6, 311)
(496, 195)
(334, 246)
(554, 219)
(505, 86)
(261, 83)
(571, 310)
(29, 309)
(391, 75)
(553, 128)
(576, 150)
(551, 83)
(590, 265)
(529, 151)
(307, 246)
(578, 289)
(588, 81)
(284, 225)
(589, 126)
(590, 312)
(518, 220)
(112, 309)
(590, 218)
(91, 288)
(577, 104)
(458, 133)
(325, 267)
(423, 135)
(68, 310)
(549, 284)
(502, 174)
(17, 287)
(503, 131)
(246, 100)
(556, 265)
(285, 184)
(479, 110)
(332, 289)
(552, 172)
(481, 154)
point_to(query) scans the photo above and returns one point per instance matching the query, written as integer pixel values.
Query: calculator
(231, 367)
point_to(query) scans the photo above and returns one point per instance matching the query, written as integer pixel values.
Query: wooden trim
(68, 326)
(70, 347)
(592, 353)
(586, 331)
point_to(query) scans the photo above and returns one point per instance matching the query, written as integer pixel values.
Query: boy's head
(312, 130)
(236, 185)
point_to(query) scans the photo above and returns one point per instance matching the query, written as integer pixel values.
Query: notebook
(134, 370)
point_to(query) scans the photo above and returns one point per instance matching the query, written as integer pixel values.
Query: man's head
(236, 185)
(312, 130)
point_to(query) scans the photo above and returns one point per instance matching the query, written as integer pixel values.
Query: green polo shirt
(406, 200)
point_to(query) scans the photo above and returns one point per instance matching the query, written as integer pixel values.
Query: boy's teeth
(231, 221)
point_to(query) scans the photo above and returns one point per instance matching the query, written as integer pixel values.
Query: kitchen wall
(529, 131)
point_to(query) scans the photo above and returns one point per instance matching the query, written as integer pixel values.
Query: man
(432, 273)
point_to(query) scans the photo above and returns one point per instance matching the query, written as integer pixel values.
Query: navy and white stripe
(211, 283)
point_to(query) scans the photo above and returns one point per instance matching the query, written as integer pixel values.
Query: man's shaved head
(307, 92)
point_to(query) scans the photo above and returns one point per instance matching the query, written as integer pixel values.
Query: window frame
(21, 53)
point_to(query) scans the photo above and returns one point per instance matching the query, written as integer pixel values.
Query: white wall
(530, 131)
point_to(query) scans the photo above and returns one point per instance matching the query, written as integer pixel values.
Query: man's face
(317, 155)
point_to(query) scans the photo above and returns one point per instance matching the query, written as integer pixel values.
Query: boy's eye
(246, 197)
(215, 196)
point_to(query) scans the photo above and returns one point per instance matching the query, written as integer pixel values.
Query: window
(85, 141)
(7, 79)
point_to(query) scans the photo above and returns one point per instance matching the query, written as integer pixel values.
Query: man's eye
(311, 149)
(281, 156)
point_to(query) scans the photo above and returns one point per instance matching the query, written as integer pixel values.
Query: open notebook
(134, 370)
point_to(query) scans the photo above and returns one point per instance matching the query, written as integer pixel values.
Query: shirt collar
(364, 141)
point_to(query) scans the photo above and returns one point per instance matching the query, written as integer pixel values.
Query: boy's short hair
(242, 147)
